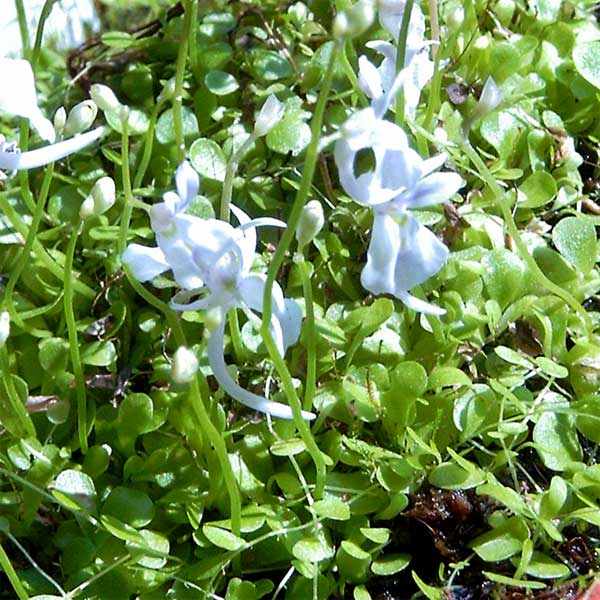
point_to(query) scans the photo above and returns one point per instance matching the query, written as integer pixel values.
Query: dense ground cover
(433, 313)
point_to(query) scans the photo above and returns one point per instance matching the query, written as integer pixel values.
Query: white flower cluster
(211, 261)
(402, 253)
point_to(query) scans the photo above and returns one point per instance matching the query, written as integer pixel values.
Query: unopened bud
(124, 113)
(4, 327)
(104, 97)
(491, 97)
(270, 114)
(60, 118)
(168, 90)
(100, 199)
(185, 365)
(354, 22)
(81, 117)
(311, 222)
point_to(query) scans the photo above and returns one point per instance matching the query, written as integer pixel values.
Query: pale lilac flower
(211, 261)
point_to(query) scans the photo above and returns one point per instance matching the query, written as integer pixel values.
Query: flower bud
(81, 117)
(4, 327)
(354, 22)
(100, 199)
(185, 365)
(104, 97)
(60, 118)
(124, 113)
(270, 114)
(491, 97)
(311, 222)
(168, 90)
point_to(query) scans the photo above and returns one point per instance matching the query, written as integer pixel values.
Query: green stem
(230, 172)
(39, 34)
(521, 247)
(74, 341)
(23, 28)
(218, 443)
(148, 145)
(128, 194)
(25, 256)
(308, 172)
(14, 579)
(19, 225)
(179, 78)
(311, 334)
(27, 428)
(401, 56)
(236, 338)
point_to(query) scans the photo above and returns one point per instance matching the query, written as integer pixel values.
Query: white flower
(185, 365)
(18, 96)
(402, 253)
(270, 114)
(375, 81)
(391, 13)
(12, 159)
(211, 260)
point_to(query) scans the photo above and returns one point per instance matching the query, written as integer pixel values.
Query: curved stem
(24, 258)
(232, 167)
(128, 194)
(283, 246)
(12, 576)
(74, 341)
(179, 77)
(311, 334)
(521, 247)
(148, 145)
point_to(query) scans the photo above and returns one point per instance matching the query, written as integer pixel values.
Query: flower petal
(145, 263)
(379, 272)
(254, 401)
(421, 306)
(369, 78)
(291, 323)
(433, 189)
(187, 184)
(53, 152)
(18, 95)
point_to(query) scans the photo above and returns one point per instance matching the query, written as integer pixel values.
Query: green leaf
(150, 551)
(451, 476)
(221, 83)
(288, 447)
(544, 567)
(130, 506)
(502, 542)
(586, 56)
(503, 276)
(271, 66)
(99, 354)
(378, 535)
(54, 355)
(165, 127)
(332, 509)
(74, 489)
(537, 189)
(555, 435)
(208, 159)
(312, 550)
(137, 121)
(291, 134)
(390, 564)
(447, 377)
(575, 239)
(222, 538)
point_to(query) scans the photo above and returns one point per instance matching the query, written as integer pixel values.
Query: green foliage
(452, 445)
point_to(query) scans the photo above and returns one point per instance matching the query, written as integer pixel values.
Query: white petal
(421, 306)
(9, 160)
(187, 183)
(369, 78)
(18, 96)
(433, 189)
(420, 257)
(145, 263)
(54, 152)
(291, 323)
(270, 114)
(379, 272)
(219, 369)
(181, 260)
